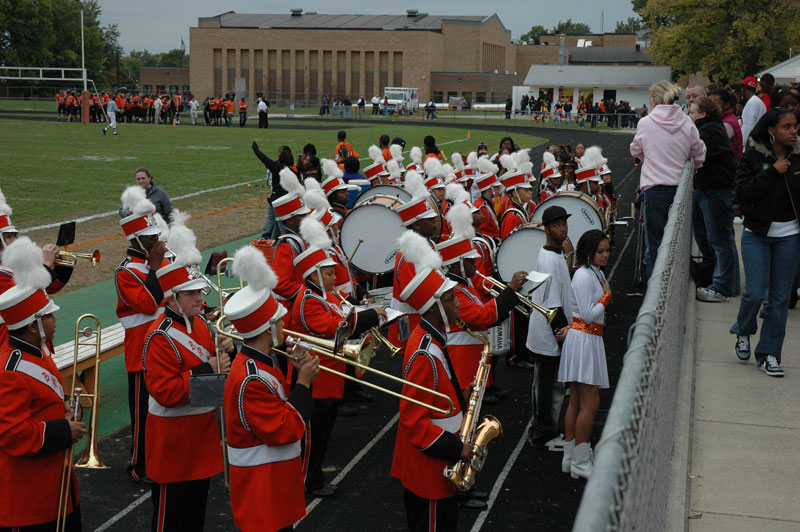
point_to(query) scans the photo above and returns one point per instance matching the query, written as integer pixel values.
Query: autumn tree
(568, 27)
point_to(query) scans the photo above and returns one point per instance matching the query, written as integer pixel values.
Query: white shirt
(753, 110)
(262, 106)
(376, 100)
(158, 104)
(555, 292)
(193, 105)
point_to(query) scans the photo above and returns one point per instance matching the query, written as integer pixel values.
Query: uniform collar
(259, 356)
(314, 288)
(438, 335)
(457, 278)
(24, 346)
(174, 315)
(138, 253)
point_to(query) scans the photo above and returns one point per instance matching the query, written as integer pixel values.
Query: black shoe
(524, 365)
(347, 410)
(104, 131)
(472, 503)
(497, 391)
(360, 396)
(489, 399)
(326, 490)
(539, 441)
(139, 479)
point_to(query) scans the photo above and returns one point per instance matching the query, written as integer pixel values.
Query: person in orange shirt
(242, 112)
(229, 106)
(383, 144)
(61, 101)
(343, 149)
(431, 150)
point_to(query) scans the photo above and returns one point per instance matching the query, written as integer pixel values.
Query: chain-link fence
(630, 481)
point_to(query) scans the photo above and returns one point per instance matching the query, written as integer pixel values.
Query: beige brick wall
(608, 39)
(167, 77)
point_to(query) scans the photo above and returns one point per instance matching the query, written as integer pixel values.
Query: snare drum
(586, 215)
(520, 251)
(378, 227)
(389, 191)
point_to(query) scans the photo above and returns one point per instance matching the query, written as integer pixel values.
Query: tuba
(478, 433)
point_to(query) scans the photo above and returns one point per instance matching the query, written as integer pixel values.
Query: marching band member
(336, 190)
(316, 311)
(289, 209)
(427, 441)
(588, 171)
(179, 344)
(419, 216)
(550, 178)
(266, 421)
(485, 182)
(34, 430)
(416, 160)
(139, 303)
(375, 173)
(519, 192)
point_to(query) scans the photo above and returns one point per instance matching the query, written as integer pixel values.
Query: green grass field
(57, 171)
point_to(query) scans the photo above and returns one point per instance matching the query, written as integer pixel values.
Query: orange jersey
(242, 107)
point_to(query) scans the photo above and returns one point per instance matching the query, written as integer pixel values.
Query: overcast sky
(158, 25)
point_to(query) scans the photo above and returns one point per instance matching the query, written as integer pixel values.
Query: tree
(532, 37)
(724, 39)
(632, 25)
(568, 27)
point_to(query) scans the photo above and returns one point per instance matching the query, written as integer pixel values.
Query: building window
(452, 94)
(160, 89)
(438, 96)
(173, 89)
(186, 89)
(147, 89)
(467, 97)
(480, 97)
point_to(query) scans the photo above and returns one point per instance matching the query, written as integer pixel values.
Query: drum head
(383, 190)
(586, 215)
(377, 227)
(520, 250)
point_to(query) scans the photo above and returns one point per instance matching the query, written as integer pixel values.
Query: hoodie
(664, 140)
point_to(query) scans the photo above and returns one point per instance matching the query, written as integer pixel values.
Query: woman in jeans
(768, 190)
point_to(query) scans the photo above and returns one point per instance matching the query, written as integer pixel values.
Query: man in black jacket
(712, 219)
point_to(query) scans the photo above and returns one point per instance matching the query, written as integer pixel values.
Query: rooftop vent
(411, 12)
(297, 12)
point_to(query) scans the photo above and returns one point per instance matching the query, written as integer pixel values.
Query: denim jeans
(656, 201)
(273, 228)
(769, 266)
(712, 224)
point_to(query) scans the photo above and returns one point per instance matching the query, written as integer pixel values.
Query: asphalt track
(528, 490)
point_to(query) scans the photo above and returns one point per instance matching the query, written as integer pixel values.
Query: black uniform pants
(180, 506)
(547, 394)
(138, 398)
(427, 515)
(323, 418)
(263, 119)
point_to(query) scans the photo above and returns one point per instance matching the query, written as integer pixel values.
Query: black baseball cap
(554, 213)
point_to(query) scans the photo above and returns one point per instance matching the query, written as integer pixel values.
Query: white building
(785, 72)
(565, 82)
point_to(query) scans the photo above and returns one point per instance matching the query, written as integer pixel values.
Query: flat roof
(608, 54)
(595, 76)
(420, 22)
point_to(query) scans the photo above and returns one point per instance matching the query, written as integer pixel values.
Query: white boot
(581, 461)
(566, 462)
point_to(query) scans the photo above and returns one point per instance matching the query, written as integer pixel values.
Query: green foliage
(632, 25)
(568, 27)
(724, 39)
(532, 37)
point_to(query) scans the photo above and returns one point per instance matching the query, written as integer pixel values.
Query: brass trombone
(357, 356)
(374, 331)
(525, 304)
(66, 471)
(89, 459)
(68, 258)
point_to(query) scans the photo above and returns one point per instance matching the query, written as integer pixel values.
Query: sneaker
(762, 365)
(556, 444)
(115, 132)
(742, 348)
(710, 296)
(738, 220)
(772, 367)
(104, 131)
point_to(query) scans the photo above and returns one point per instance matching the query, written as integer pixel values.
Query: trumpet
(525, 304)
(68, 258)
(357, 356)
(374, 331)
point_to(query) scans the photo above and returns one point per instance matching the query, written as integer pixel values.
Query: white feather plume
(458, 161)
(523, 160)
(314, 198)
(5, 208)
(397, 152)
(394, 169)
(134, 200)
(24, 258)
(179, 217)
(250, 265)
(376, 154)
(415, 186)
(290, 183)
(593, 158)
(485, 166)
(472, 160)
(433, 167)
(416, 154)
(314, 233)
(549, 160)
(331, 169)
(460, 218)
(508, 162)
(448, 171)
(455, 193)
(183, 242)
(163, 226)
(417, 249)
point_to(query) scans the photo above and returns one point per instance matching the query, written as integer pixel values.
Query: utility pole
(602, 22)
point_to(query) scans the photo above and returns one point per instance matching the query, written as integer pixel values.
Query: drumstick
(396, 201)
(350, 260)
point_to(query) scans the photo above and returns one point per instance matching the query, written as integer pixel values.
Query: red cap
(751, 82)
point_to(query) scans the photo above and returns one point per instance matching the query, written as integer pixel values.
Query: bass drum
(520, 251)
(390, 191)
(586, 215)
(369, 236)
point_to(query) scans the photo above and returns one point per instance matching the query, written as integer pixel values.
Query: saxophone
(478, 433)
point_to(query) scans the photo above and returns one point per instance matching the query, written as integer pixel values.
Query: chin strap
(443, 314)
(42, 339)
(274, 331)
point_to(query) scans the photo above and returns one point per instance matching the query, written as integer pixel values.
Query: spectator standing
(509, 107)
(193, 105)
(263, 113)
(242, 112)
(362, 103)
(376, 104)
(769, 192)
(347, 107)
(664, 139)
(766, 84)
(692, 94)
(712, 220)
(229, 106)
(754, 108)
(724, 101)
(273, 227)
(154, 193)
(206, 110)
(385, 105)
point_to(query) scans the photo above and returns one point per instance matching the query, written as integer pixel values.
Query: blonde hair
(664, 92)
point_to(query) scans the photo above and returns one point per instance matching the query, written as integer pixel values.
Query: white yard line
(123, 513)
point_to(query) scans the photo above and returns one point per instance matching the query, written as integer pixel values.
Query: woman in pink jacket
(665, 139)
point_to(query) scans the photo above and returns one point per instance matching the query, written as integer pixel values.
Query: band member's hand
(781, 165)
(466, 451)
(156, 254)
(223, 363)
(307, 366)
(68, 411)
(225, 344)
(77, 429)
(561, 334)
(467, 392)
(381, 312)
(49, 251)
(517, 280)
(606, 286)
